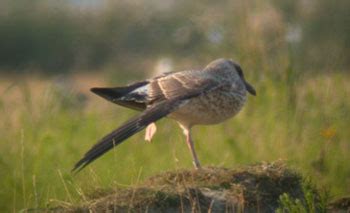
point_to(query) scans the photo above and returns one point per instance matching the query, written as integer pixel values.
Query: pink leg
(191, 147)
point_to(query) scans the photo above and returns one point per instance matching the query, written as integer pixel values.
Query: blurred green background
(295, 52)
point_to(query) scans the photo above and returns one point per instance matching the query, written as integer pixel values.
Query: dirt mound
(246, 189)
(340, 205)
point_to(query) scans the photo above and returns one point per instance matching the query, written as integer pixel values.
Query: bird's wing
(125, 131)
(132, 96)
(154, 112)
(179, 84)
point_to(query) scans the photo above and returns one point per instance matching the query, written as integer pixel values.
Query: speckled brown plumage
(194, 97)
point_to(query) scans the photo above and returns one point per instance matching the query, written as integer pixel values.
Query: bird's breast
(210, 108)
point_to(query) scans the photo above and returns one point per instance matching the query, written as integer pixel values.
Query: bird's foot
(150, 131)
(197, 165)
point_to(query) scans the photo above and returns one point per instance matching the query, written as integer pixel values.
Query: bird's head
(239, 71)
(228, 64)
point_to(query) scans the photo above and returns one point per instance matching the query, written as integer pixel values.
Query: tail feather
(125, 131)
(124, 96)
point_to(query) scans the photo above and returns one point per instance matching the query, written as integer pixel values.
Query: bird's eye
(239, 70)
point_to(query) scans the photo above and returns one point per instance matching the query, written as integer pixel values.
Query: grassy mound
(251, 188)
(340, 205)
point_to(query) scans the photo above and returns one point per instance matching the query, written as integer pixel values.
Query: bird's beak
(250, 88)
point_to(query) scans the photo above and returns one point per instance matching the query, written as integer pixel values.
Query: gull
(193, 97)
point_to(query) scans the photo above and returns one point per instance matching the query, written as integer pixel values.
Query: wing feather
(125, 131)
(179, 84)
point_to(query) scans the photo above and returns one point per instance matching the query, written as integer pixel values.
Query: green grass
(43, 134)
(312, 201)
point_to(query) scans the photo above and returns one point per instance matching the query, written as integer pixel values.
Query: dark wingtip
(79, 166)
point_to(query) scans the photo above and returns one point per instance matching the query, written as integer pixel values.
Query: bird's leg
(150, 131)
(191, 147)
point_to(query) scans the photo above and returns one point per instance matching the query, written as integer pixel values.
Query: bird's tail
(125, 131)
(128, 96)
